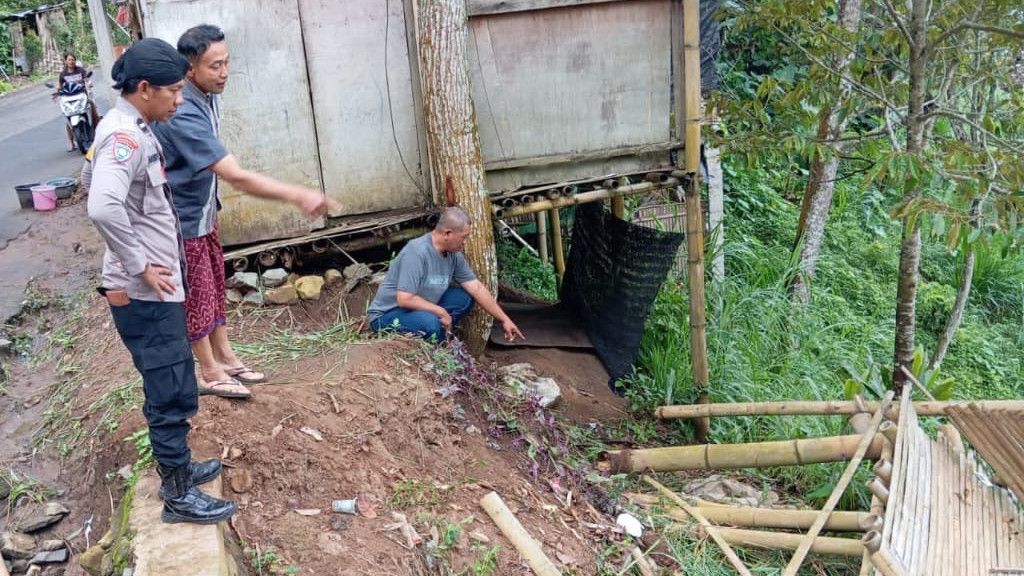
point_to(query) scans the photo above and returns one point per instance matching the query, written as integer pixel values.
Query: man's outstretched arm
(482, 296)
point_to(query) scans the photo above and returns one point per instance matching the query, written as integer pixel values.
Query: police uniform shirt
(131, 205)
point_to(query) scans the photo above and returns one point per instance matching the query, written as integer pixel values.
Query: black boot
(201, 472)
(185, 503)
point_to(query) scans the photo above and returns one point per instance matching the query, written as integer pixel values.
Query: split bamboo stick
(751, 517)
(940, 522)
(837, 492)
(509, 525)
(923, 515)
(641, 561)
(818, 408)
(952, 436)
(731, 456)
(891, 531)
(557, 248)
(730, 554)
(619, 207)
(782, 541)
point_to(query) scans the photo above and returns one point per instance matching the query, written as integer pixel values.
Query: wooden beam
(489, 7)
(582, 198)
(568, 158)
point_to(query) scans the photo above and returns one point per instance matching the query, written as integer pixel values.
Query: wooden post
(542, 236)
(556, 245)
(456, 161)
(694, 217)
(619, 207)
(104, 48)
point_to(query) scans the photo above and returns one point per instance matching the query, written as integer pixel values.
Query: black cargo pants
(154, 333)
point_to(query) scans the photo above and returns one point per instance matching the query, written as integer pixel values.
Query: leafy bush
(518, 267)
(33, 50)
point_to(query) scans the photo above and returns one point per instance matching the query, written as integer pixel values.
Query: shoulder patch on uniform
(124, 147)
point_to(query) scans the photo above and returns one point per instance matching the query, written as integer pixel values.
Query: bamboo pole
(751, 517)
(619, 207)
(509, 525)
(542, 236)
(783, 541)
(641, 561)
(730, 456)
(556, 245)
(851, 468)
(882, 559)
(819, 408)
(694, 214)
(513, 207)
(730, 554)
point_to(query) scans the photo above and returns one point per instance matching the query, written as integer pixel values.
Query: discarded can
(345, 506)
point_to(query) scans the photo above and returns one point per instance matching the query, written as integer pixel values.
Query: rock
(234, 295)
(309, 287)
(241, 480)
(51, 557)
(39, 518)
(14, 545)
(282, 295)
(255, 297)
(249, 280)
(630, 524)
(472, 429)
(50, 545)
(92, 560)
(274, 277)
(19, 566)
(523, 378)
(718, 488)
(357, 271)
(34, 570)
(107, 567)
(333, 277)
(6, 346)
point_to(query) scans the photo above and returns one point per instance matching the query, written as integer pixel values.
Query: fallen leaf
(313, 432)
(479, 537)
(307, 511)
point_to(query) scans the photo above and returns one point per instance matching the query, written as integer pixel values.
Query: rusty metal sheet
(569, 80)
(367, 117)
(267, 115)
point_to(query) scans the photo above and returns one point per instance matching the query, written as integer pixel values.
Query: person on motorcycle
(72, 72)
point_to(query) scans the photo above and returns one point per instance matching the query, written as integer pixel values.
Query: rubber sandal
(236, 373)
(211, 389)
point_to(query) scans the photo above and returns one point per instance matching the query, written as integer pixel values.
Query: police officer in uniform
(130, 203)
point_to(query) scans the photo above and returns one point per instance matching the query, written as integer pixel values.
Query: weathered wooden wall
(267, 114)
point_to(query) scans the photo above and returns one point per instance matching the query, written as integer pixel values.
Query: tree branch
(993, 30)
(981, 130)
(897, 21)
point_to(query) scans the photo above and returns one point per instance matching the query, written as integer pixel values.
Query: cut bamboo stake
(516, 208)
(619, 207)
(782, 541)
(751, 517)
(542, 236)
(641, 561)
(851, 468)
(557, 249)
(730, 554)
(509, 525)
(818, 408)
(730, 456)
(882, 559)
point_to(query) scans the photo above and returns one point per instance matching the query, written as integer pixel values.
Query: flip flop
(237, 372)
(211, 389)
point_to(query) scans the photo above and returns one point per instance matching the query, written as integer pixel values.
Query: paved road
(32, 148)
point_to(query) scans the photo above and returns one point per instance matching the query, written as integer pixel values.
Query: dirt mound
(377, 428)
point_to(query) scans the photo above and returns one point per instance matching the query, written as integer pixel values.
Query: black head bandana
(149, 59)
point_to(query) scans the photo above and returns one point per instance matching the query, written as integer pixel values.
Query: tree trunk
(910, 247)
(456, 162)
(821, 182)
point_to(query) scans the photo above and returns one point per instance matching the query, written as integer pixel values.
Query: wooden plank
(568, 82)
(935, 535)
(923, 517)
(366, 117)
(552, 159)
(267, 114)
(894, 529)
(491, 7)
(837, 492)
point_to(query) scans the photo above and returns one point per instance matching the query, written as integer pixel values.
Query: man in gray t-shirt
(417, 295)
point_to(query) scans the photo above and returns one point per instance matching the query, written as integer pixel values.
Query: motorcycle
(74, 104)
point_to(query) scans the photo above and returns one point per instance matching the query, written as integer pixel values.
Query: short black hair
(197, 39)
(71, 54)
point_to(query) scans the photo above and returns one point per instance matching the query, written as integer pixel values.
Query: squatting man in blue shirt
(417, 297)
